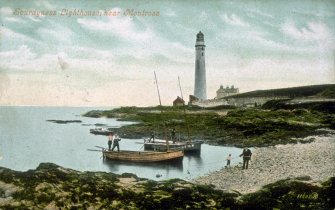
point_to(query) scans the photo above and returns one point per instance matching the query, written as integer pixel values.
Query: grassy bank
(239, 127)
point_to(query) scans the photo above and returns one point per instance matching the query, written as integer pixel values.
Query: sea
(27, 139)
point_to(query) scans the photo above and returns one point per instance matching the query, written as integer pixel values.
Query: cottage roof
(178, 100)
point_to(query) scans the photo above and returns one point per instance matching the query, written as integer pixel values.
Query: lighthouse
(200, 68)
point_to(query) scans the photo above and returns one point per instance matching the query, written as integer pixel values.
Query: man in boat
(116, 143)
(173, 135)
(110, 140)
(152, 136)
(246, 157)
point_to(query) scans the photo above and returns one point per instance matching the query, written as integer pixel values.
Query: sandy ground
(270, 164)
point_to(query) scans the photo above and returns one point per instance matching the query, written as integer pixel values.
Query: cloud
(35, 19)
(316, 37)
(16, 59)
(12, 38)
(266, 73)
(251, 43)
(15, 20)
(258, 37)
(319, 13)
(140, 40)
(170, 13)
(267, 23)
(6, 11)
(23, 58)
(46, 4)
(4, 84)
(233, 20)
(314, 31)
(90, 53)
(260, 13)
(122, 27)
(203, 16)
(56, 34)
(207, 22)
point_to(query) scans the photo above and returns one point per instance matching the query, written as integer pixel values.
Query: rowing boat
(143, 156)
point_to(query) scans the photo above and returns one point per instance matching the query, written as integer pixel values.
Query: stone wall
(238, 102)
(210, 102)
(250, 101)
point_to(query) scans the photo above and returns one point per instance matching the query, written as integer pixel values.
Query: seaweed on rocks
(291, 194)
(53, 187)
(252, 127)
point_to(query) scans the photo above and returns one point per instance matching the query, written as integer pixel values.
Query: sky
(58, 59)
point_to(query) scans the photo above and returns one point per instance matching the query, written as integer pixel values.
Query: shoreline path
(271, 164)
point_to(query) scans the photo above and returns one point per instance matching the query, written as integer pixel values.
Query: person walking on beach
(246, 157)
(116, 143)
(228, 160)
(110, 140)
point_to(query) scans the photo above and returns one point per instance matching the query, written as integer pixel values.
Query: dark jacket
(116, 141)
(246, 154)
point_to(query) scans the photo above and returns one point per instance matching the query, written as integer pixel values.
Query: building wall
(224, 92)
(251, 101)
(238, 102)
(210, 103)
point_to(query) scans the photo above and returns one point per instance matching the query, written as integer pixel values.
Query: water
(27, 139)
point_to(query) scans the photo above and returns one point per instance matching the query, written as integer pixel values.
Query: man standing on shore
(228, 160)
(246, 157)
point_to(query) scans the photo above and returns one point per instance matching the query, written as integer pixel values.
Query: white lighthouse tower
(200, 68)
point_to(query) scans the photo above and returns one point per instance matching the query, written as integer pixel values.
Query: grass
(240, 127)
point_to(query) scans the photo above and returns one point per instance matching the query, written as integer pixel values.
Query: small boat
(193, 146)
(101, 131)
(143, 156)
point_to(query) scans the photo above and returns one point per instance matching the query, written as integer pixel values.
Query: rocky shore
(292, 176)
(314, 161)
(53, 187)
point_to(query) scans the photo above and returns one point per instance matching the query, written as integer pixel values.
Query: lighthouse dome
(200, 36)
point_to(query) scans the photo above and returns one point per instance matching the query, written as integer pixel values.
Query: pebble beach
(270, 164)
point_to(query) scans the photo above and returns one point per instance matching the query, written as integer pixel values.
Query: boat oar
(144, 140)
(100, 147)
(94, 150)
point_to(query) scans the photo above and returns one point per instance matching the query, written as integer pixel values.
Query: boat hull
(143, 156)
(104, 132)
(187, 147)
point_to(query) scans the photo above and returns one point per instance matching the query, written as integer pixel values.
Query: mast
(160, 103)
(188, 127)
(159, 96)
(181, 93)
